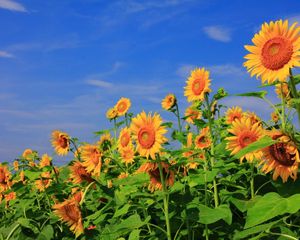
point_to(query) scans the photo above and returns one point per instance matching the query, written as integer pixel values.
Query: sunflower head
(124, 138)
(127, 155)
(203, 140)
(92, 159)
(16, 165)
(105, 142)
(148, 133)
(191, 114)
(5, 176)
(233, 113)
(282, 157)
(122, 106)
(197, 85)
(111, 113)
(274, 117)
(60, 142)
(282, 90)
(44, 182)
(45, 161)
(28, 154)
(275, 50)
(244, 133)
(168, 102)
(78, 173)
(253, 117)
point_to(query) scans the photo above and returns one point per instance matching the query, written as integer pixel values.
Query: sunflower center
(122, 107)
(125, 140)
(95, 156)
(146, 137)
(72, 213)
(63, 142)
(154, 174)
(281, 155)
(276, 52)
(247, 138)
(198, 86)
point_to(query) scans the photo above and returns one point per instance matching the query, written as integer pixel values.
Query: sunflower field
(214, 173)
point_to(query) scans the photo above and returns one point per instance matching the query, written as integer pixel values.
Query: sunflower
(124, 138)
(69, 212)
(191, 114)
(5, 176)
(148, 134)
(253, 117)
(45, 161)
(123, 175)
(244, 133)
(168, 102)
(282, 90)
(78, 173)
(92, 159)
(282, 157)
(274, 117)
(233, 113)
(152, 170)
(275, 50)
(197, 85)
(203, 140)
(44, 182)
(105, 142)
(16, 165)
(122, 106)
(27, 154)
(111, 113)
(127, 155)
(60, 142)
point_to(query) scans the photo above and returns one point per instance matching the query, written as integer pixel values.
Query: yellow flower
(197, 85)
(148, 134)
(122, 106)
(244, 133)
(152, 170)
(282, 90)
(78, 173)
(203, 140)
(274, 117)
(191, 114)
(27, 154)
(275, 51)
(44, 182)
(111, 113)
(127, 154)
(253, 117)
(233, 113)
(45, 161)
(168, 102)
(5, 176)
(60, 142)
(282, 157)
(92, 159)
(105, 142)
(124, 138)
(16, 165)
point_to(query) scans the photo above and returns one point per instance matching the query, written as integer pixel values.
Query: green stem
(282, 108)
(282, 235)
(85, 192)
(166, 202)
(205, 197)
(252, 181)
(126, 120)
(12, 231)
(115, 128)
(212, 149)
(294, 93)
(178, 118)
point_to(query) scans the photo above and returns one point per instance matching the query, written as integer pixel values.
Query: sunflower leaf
(259, 94)
(261, 143)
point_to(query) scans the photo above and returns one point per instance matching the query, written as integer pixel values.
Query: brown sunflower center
(95, 156)
(146, 137)
(276, 52)
(63, 142)
(279, 152)
(155, 175)
(247, 138)
(198, 86)
(125, 140)
(72, 212)
(122, 107)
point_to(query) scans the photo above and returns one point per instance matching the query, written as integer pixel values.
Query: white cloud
(218, 33)
(227, 69)
(4, 54)
(99, 83)
(185, 70)
(12, 6)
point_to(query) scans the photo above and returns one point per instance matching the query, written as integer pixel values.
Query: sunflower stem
(282, 108)
(178, 118)
(252, 181)
(212, 149)
(294, 93)
(85, 192)
(166, 200)
(115, 128)
(126, 120)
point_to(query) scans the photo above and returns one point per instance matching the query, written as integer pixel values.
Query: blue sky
(63, 63)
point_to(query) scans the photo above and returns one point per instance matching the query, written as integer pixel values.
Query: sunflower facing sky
(276, 49)
(61, 142)
(197, 85)
(148, 134)
(244, 133)
(233, 113)
(124, 138)
(282, 157)
(168, 102)
(92, 159)
(122, 106)
(191, 114)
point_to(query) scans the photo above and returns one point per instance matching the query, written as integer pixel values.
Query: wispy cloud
(4, 54)
(99, 83)
(218, 33)
(185, 70)
(227, 69)
(12, 6)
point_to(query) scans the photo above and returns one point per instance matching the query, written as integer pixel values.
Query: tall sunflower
(203, 140)
(60, 142)
(111, 113)
(152, 170)
(44, 182)
(122, 106)
(191, 114)
(92, 159)
(197, 85)
(105, 142)
(282, 157)
(27, 154)
(5, 176)
(78, 173)
(276, 49)
(233, 113)
(70, 213)
(45, 160)
(127, 154)
(244, 133)
(148, 134)
(168, 102)
(124, 138)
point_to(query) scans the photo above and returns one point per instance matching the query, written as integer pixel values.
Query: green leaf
(32, 175)
(253, 230)
(293, 205)
(259, 94)
(261, 143)
(167, 124)
(136, 179)
(199, 179)
(243, 205)
(122, 211)
(46, 233)
(211, 215)
(134, 235)
(267, 207)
